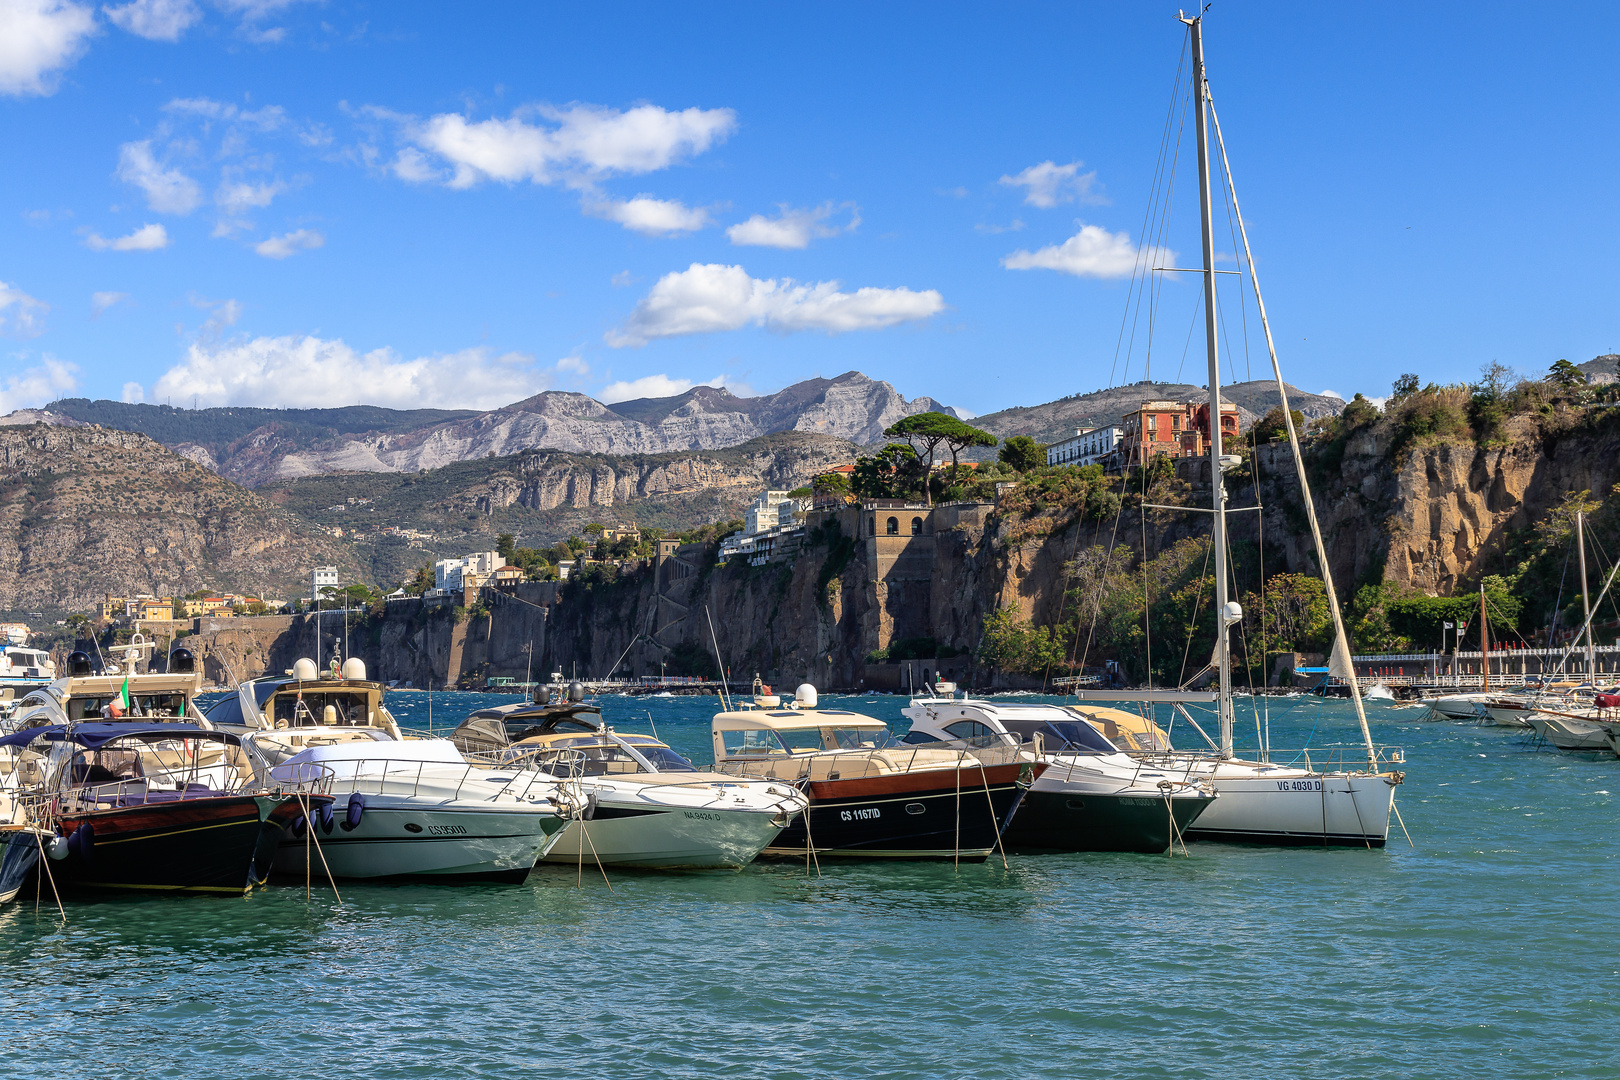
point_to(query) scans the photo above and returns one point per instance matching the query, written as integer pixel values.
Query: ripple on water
(1482, 951)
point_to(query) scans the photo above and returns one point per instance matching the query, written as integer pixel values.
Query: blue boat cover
(93, 736)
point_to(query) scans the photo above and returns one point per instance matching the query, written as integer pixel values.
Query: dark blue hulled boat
(166, 806)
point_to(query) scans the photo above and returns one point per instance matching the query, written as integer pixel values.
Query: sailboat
(1567, 725)
(1262, 801)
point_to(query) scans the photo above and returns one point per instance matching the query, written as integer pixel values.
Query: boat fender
(590, 807)
(82, 841)
(327, 818)
(57, 848)
(357, 810)
(300, 826)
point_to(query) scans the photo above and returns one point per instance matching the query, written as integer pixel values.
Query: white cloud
(20, 314)
(156, 20)
(280, 247)
(101, 301)
(145, 238)
(621, 279)
(574, 364)
(1016, 226)
(705, 298)
(581, 143)
(309, 372)
(654, 217)
(1047, 184)
(791, 229)
(37, 39)
(236, 197)
(648, 386)
(168, 191)
(133, 392)
(1331, 393)
(34, 386)
(658, 386)
(1091, 252)
(268, 118)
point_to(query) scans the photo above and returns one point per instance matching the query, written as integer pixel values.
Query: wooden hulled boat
(870, 796)
(163, 806)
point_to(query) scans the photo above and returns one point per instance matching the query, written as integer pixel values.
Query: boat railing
(479, 781)
(188, 782)
(1350, 758)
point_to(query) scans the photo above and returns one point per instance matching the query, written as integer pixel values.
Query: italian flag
(123, 694)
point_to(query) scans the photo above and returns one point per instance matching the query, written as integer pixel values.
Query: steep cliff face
(1436, 516)
(542, 497)
(85, 511)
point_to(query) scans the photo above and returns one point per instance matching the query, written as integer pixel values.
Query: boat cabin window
(152, 706)
(309, 708)
(969, 729)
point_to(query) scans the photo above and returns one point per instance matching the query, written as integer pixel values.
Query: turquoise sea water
(1483, 951)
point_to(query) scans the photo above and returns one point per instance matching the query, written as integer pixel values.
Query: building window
(916, 526)
(1153, 423)
(874, 524)
(894, 527)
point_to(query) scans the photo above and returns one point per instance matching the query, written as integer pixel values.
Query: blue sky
(300, 203)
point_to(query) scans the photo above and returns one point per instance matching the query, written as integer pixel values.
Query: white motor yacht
(406, 807)
(1086, 795)
(644, 805)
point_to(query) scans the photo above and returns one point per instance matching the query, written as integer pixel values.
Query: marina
(1396, 932)
(456, 623)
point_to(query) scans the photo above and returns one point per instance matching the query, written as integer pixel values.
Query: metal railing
(486, 782)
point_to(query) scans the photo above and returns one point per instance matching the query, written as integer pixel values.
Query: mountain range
(256, 446)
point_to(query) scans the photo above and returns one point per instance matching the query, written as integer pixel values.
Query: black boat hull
(920, 815)
(1054, 821)
(217, 844)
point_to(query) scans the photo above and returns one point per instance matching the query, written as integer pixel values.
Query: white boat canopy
(792, 720)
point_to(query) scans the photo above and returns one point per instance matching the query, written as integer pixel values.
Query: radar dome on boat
(1234, 612)
(576, 691)
(805, 696)
(78, 663)
(304, 670)
(354, 668)
(768, 701)
(182, 661)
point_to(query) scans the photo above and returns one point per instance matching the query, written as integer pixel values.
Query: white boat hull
(676, 838)
(1457, 706)
(1572, 733)
(1291, 806)
(449, 841)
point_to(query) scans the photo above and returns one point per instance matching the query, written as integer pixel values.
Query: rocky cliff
(85, 511)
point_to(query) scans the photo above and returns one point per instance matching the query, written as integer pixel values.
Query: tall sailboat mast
(1586, 606)
(1222, 656)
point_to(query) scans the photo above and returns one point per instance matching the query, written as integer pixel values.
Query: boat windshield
(145, 706)
(522, 727)
(309, 707)
(661, 757)
(1062, 736)
(803, 740)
